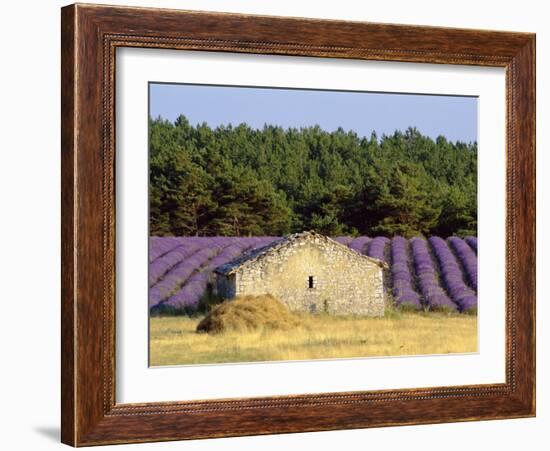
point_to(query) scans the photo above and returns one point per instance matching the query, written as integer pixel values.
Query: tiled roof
(257, 254)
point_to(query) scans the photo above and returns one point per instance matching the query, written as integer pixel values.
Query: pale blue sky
(451, 116)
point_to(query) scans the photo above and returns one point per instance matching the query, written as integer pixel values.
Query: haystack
(248, 313)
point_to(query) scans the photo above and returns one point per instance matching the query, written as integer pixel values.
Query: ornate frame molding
(90, 37)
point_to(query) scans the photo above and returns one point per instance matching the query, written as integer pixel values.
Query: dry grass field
(174, 341)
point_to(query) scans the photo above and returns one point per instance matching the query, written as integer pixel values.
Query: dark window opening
(310, 281)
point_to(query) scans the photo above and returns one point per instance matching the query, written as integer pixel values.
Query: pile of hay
(248, 313)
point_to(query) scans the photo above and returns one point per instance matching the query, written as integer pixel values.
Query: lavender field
(433, 274)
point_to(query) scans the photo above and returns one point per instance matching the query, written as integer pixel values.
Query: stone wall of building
(313, 275)
(226, 285)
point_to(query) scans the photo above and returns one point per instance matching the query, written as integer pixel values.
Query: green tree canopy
(241, 181)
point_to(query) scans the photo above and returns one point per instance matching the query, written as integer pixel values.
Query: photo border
(137, 383)
(90, 36)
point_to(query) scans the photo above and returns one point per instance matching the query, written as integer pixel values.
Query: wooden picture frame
(90, 35)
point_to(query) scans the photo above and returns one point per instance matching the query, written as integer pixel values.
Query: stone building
(308, 272)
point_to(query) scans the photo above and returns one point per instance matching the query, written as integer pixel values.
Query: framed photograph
(278, 225)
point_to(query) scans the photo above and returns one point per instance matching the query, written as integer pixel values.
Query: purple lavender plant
(467, 258)
(426, 274)
(472, 242)
(377, 248)
(182, 267)
(402, 280)
(345, 240)
(451, 274)
(159, 267)
(359, 244)
(161, 245)
(179, 274)
(183, 284)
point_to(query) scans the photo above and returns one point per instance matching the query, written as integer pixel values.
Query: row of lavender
(181, 267)
(435, 273)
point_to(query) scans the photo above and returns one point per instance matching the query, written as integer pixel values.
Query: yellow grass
(173, 340)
